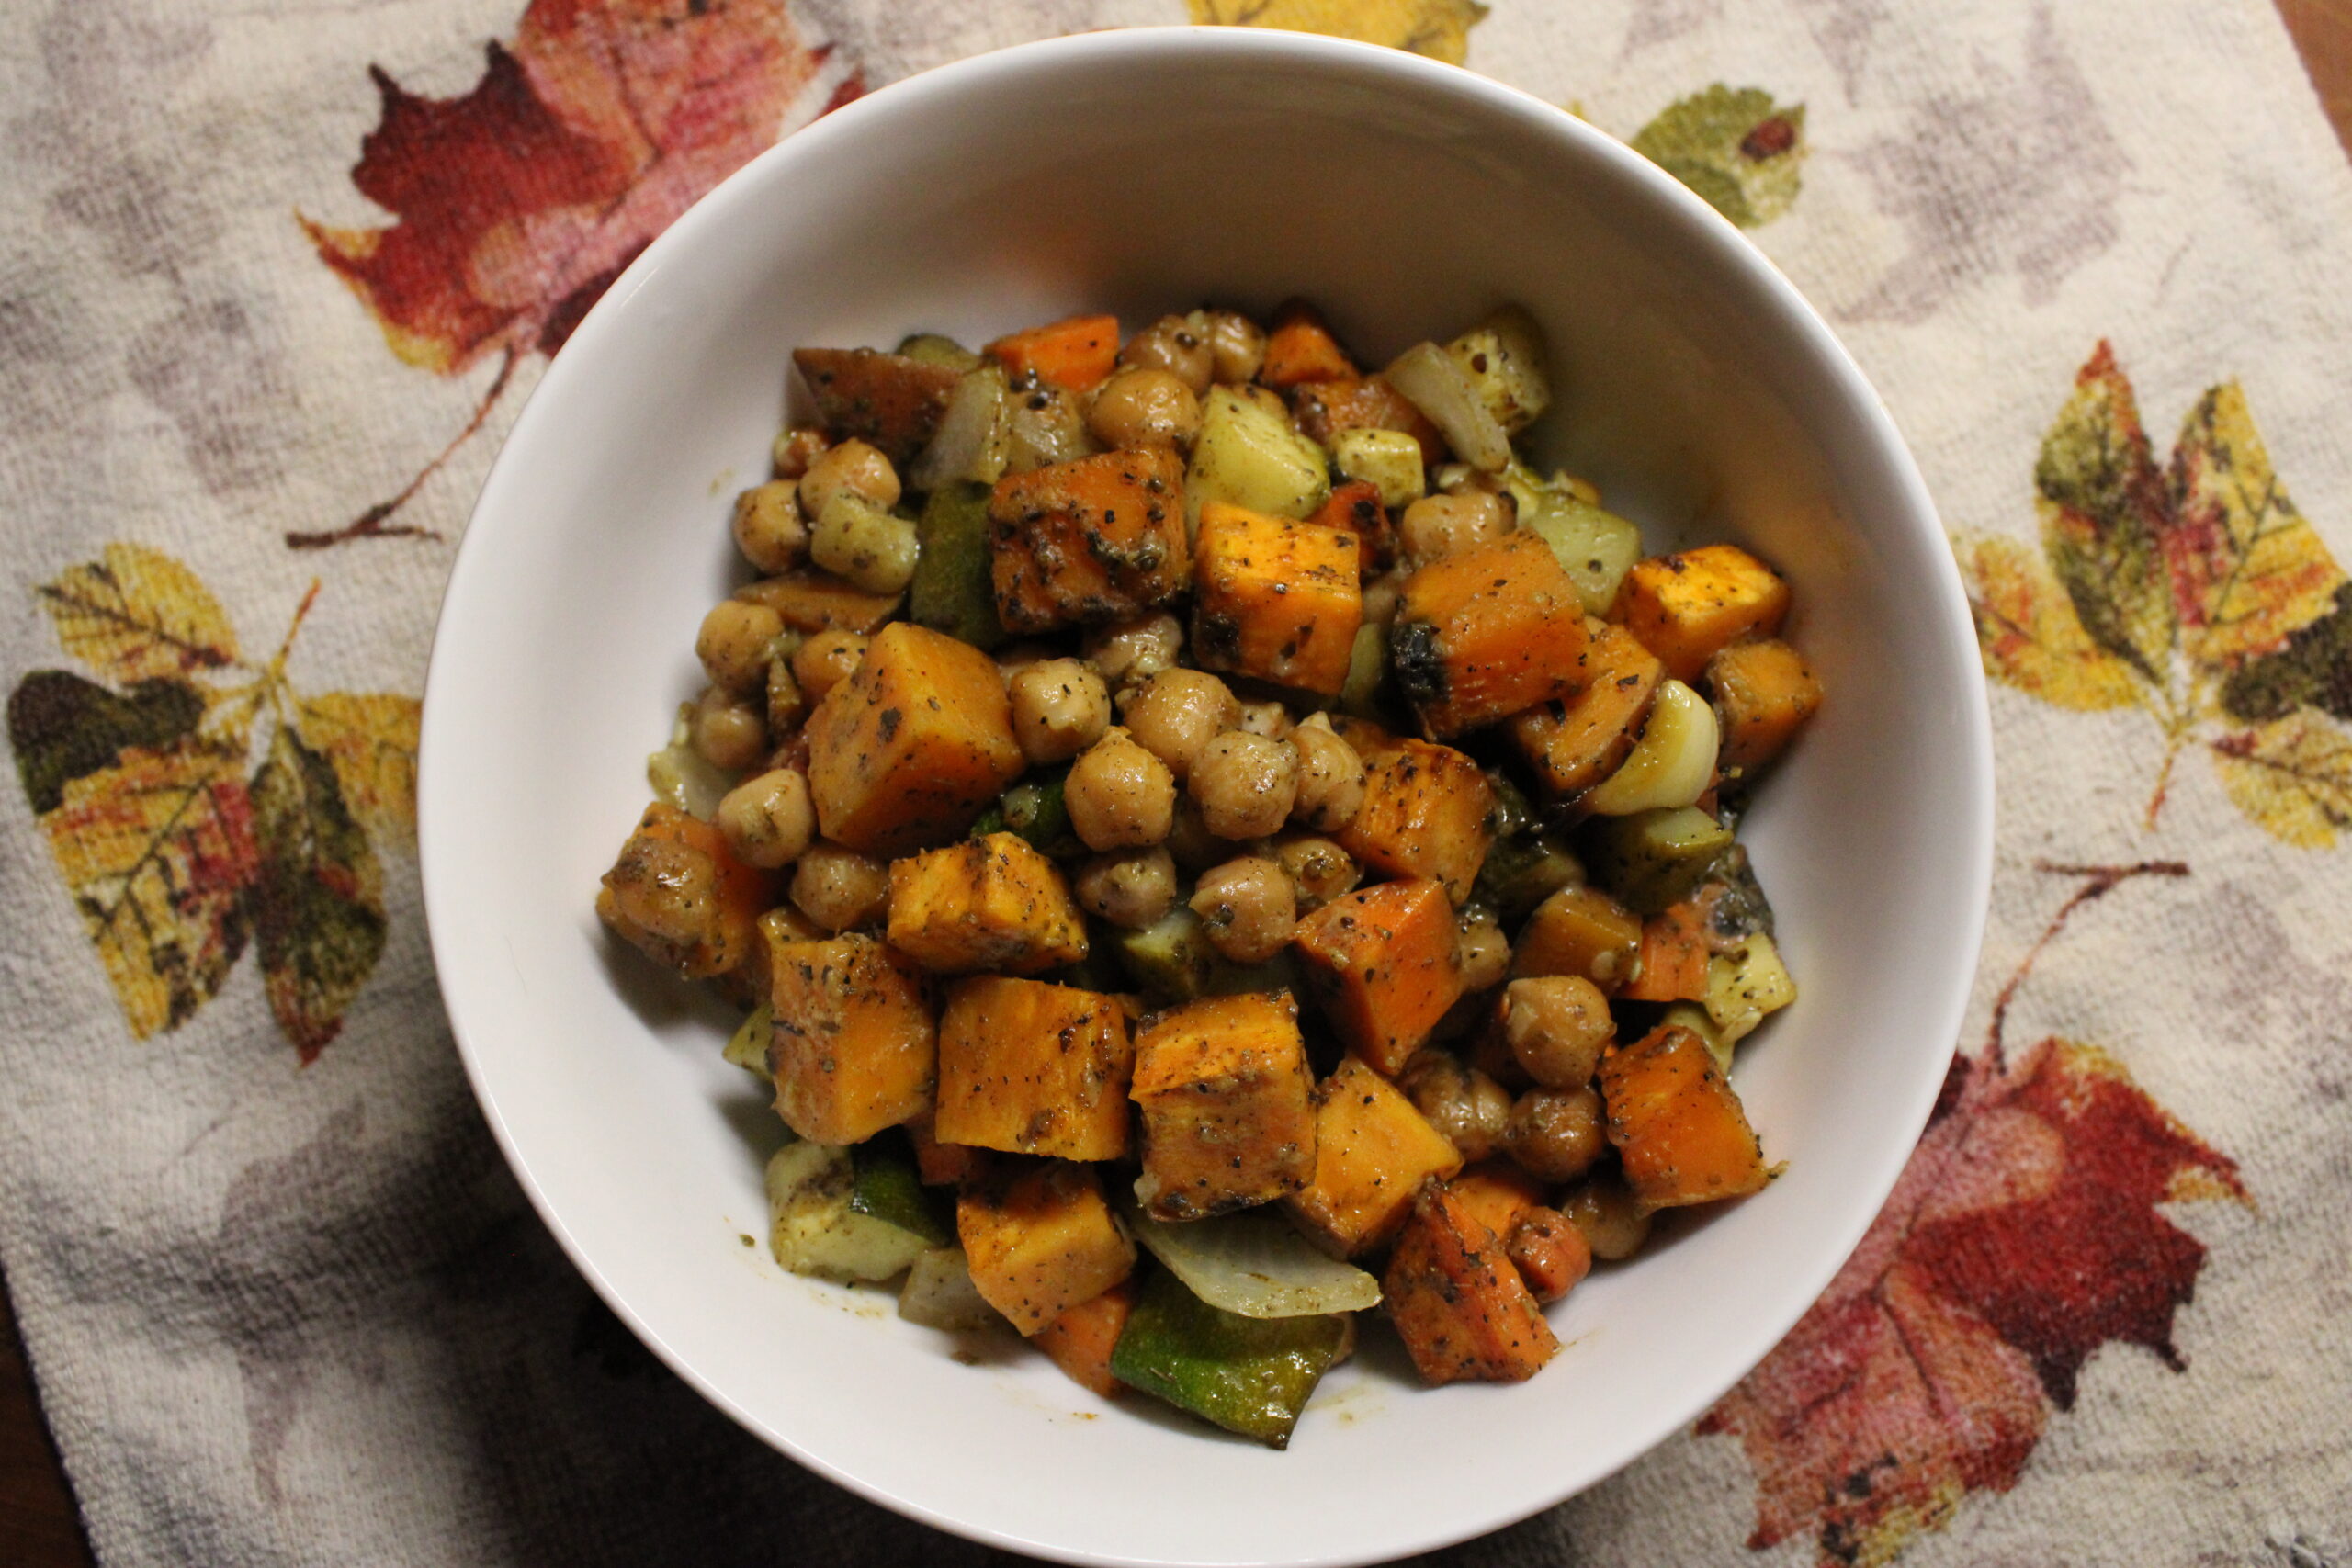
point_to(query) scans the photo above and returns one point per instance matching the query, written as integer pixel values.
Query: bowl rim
(1699, 224)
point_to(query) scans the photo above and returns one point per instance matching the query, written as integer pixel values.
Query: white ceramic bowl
(1140, 172)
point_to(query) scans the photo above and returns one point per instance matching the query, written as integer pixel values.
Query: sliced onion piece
(971, 442)
(1428, 378)
(1254, 1263)
(1671, 764)
(683, 777)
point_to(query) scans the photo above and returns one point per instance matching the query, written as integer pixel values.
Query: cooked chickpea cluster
(1139, 767)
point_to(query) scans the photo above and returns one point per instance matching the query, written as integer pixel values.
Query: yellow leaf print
(2030, 636)
(158, 851)
(370, 739)
(137, 615)
(1439, 28)
(2293, 776)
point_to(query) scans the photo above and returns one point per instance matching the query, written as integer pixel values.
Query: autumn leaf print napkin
(274, 279)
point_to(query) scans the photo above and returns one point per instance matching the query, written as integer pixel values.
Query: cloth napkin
(275, 276)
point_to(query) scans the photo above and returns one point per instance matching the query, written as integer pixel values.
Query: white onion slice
(683, 777)
(1427, 376)
(1254, 1263)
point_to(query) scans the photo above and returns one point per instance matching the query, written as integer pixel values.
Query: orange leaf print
(2030, 636)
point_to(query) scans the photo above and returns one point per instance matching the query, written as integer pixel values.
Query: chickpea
(1380, 596)
(1236, 346)
(826, 661)
(838, 888)
(1320, 870)
(1614, 1221)
(787, 706)
(853, 468)
(1269, 720)
(1550, 1253)
(1060, 708)
(1439, 525)
(1118, 794)
(798, 448)
(1178, 714)
(1173, 346)
(1462, 1103)
(1131, 652)
(769, 528)
(728, 731)
(1132, 889)
(1245, 785)
(733, 643)
(768, 821)
(1189, 839)
(1331, 777)
(1138, 407)
(864, 545)
(1247, 909)
(1556, 1133)
(1556, 1026)
(1480, 948)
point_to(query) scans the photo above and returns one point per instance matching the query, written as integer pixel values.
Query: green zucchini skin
(953, 590)
(1249, 1375)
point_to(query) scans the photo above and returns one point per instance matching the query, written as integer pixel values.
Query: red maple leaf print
(2025, 1234)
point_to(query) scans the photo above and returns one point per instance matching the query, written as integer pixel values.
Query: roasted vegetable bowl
(1181, 788)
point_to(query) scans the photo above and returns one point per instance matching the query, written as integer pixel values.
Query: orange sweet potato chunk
(1276, 599)
(912, 747)
(1040, 1239)
(1458, 1301)
(1036, 1070)
(1074, 354)
(853, 1049)
(1381, 961)
(1497, 1191)
(1679, 1128)
(1094, 539)
(678, 895)
(810, 600)
(1372, 1151)
(1488, 633)
(1228, 1115)
(943, 1165)
(1425, 814)
(1323, 408)
(1674, 952)
(1764, 694)
(1574, 743)
(991, 903)
(1080, 1341)
(1687, 606)
(1580, 931)
(1301, 348)
(891, 400)
(1356, 507)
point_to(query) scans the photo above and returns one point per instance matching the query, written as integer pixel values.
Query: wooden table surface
(38, 1525)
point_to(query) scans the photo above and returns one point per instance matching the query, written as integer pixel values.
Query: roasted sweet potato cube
(1324, 409)
(1080, 1341)
(1458, 1301)
(1550, 1253)
(887, 399)
(1039, 1240)
(810, 600)
(852, 1049)
(1488, 633)
(943, 1165)
(1424, 814)
(1372, 1151)
(912, 747)
(1074, 354)
(1679, 1128)
(1764, 693)
(1356, 507)
(1228, 1116)
(1687, 606)
(1094, 539)
(1381, 962)
(988, 903)
(1276, 599)
(1498, 1191)
(1580, 931)
(1672, 963)
(678, 895)
(1574, 743)
(1300, 347)
(1035, 1069)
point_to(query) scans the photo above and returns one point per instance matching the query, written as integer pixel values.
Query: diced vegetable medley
(1212, 842)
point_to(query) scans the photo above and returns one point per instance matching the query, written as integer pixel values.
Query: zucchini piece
(1651, 859)
(1280, 972)
(1249, 1375)
(974, 434)
(1389, 459)
(1594, 547)
(939, 1294)
(1170, 959)
(1699, 1022)
(1034, 811)
(748, 1046)
(1247, 453)
(842, 1213)
(938, 348)
(1360, 692)
(1521, 872)
(952, 590)
(1504, 359)
(1746, 986)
